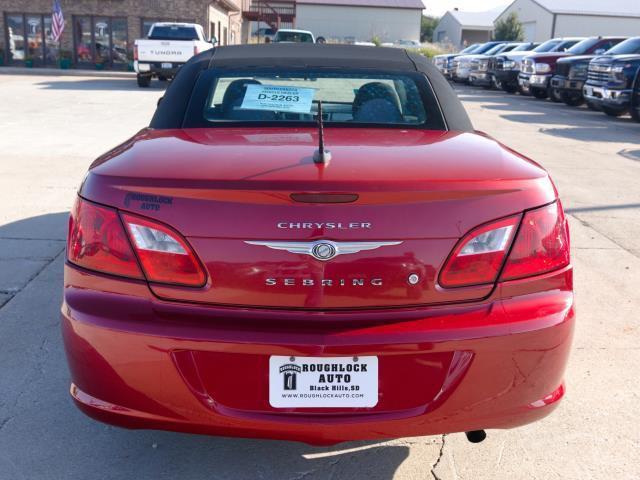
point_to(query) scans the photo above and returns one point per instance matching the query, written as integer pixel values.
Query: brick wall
(133, 10)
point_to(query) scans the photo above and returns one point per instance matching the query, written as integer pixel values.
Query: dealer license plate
(166, 65)
(323, 382)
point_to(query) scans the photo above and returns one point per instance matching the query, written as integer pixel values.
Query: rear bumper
(140, 363)
(156, 68)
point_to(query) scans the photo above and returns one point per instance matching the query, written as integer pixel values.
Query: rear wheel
(162, 78)
(613, 112)
(573, 99)
(539, 93)
(143, 80)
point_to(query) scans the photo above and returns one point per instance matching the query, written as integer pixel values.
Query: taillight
(478, 258)
(196, 51)
(97, 241)
(542, 244)
(164, 254)
(135, 52)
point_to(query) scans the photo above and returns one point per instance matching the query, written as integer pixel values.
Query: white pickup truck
(167, 47)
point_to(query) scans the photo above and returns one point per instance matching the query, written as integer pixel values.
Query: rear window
(173, 32)
(281, 97)
(295, 37)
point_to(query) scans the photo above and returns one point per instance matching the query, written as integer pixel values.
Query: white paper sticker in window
(278, 98)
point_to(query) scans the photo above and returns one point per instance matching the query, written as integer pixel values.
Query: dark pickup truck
(497, 60)
(610, 78)
(506, 67)
(635, 98)
(571, 75)
(537, 69)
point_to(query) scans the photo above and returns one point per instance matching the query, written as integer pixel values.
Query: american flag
(57, 21)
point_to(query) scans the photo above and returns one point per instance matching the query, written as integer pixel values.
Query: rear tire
(572, 99)
(539, 93)
(613, 112)
(162, 78)
(144, 81)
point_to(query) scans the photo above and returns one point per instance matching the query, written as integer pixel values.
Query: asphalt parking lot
(53, 127)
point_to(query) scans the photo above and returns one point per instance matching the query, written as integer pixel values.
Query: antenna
(321, 155)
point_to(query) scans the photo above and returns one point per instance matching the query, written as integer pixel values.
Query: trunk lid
(245, 199)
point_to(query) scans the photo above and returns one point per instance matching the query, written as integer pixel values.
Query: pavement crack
(4, 422)
(15, 292)
(439, 459)
(612, 240)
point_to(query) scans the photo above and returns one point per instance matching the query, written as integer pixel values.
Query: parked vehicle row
(601, 71)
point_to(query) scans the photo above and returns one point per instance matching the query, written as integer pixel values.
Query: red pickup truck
(537, 69)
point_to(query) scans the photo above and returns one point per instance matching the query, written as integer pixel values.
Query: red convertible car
(311, 242)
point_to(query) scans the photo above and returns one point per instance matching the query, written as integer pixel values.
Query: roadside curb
(57, 72)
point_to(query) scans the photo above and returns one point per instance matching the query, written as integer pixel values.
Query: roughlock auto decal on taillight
(103, 240)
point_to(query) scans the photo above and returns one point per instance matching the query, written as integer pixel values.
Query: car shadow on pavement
(44, 436)
(579, 124)
(107, 84)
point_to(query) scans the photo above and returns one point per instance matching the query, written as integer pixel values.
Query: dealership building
(101, 33)
(461, 29)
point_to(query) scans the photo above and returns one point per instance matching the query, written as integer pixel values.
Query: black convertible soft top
(171, 110)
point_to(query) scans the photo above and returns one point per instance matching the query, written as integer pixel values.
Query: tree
(427, 26)
(509, 29)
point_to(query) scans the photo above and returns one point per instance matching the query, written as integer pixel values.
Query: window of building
(100, 40)
(28, 38)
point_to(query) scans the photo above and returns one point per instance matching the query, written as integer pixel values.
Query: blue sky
(439, 7)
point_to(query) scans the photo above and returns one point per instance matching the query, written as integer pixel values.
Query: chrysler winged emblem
(323, 249)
